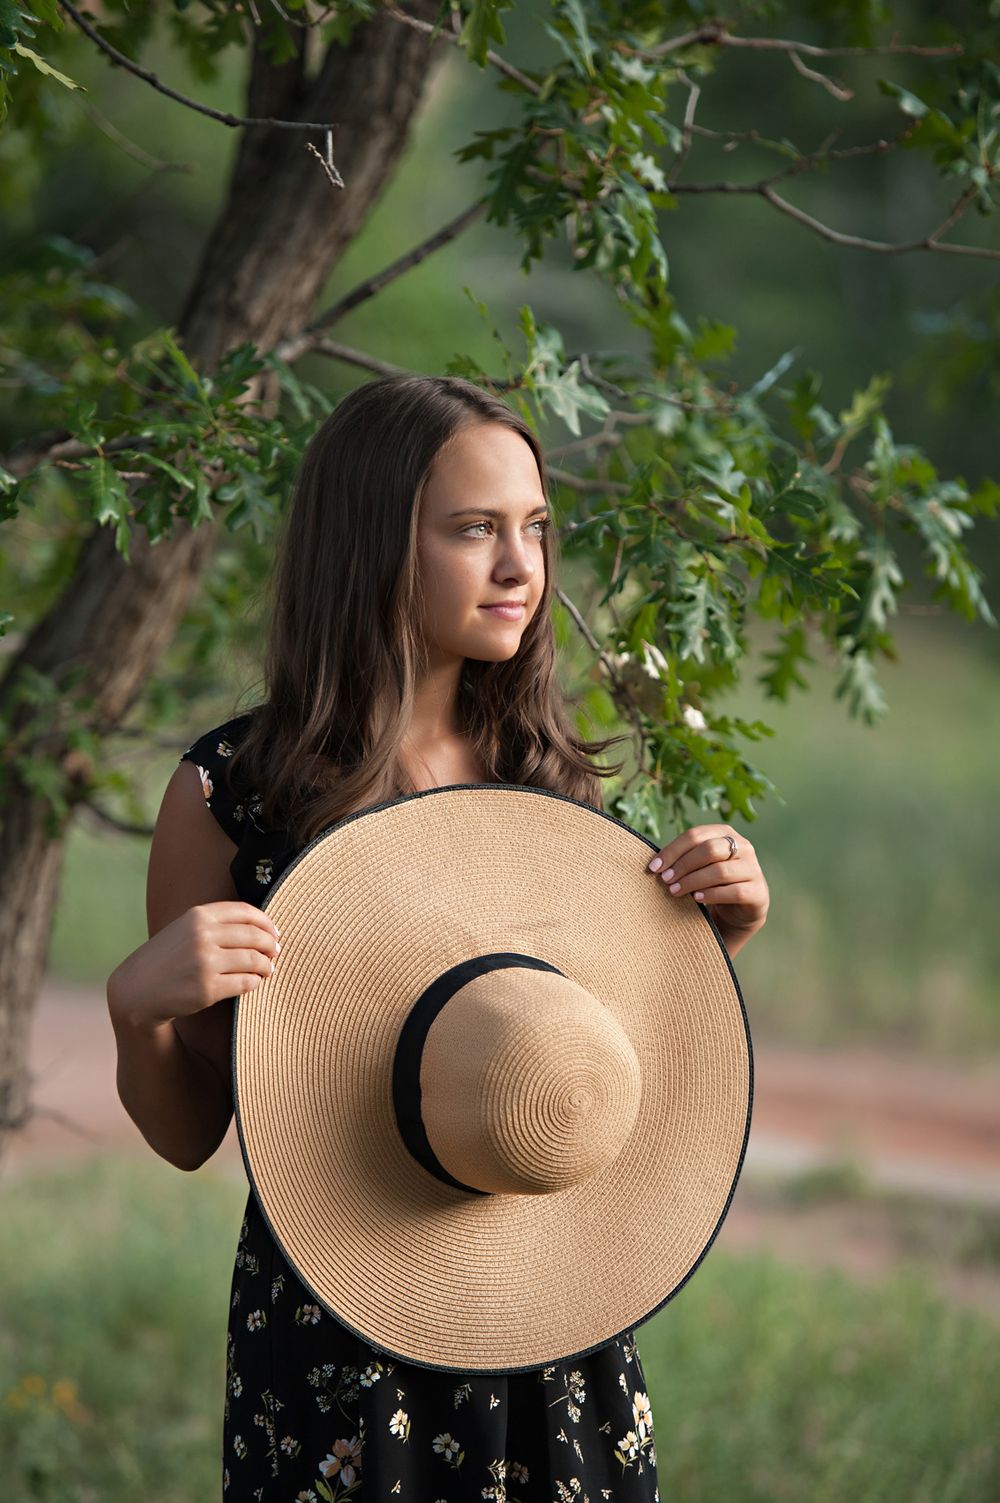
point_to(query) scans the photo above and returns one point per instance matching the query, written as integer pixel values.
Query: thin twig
(16, 1124)
(131, 148)
(304, 25)
(734, 138)
(839, 91)
(587, 483)
(717, 36)
(589, 441)
(124, 826)
(351, 356)
(222, 116)
(492, 57)
(694, 93)
(297, 344)
(852, 242)
(326, 162)
(42, 449)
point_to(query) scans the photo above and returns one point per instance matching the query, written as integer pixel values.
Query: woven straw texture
(370, 913)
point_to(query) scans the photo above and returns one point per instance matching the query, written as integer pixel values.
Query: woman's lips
(505, 612)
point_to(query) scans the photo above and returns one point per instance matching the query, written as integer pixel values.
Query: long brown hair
(344, 655)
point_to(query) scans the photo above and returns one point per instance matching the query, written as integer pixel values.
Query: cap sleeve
(210, 754)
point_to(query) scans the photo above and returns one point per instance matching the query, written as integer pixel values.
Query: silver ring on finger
(732, 848)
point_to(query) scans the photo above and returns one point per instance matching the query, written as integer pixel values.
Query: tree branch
(131, 148)
(297, 344)
(493, 57)
(587, 482)
(852, 242)
(715, 35)
(735, 137)
(19, 1121)
(351, 356)
(222, 116)
(50, 447)
(124, 826)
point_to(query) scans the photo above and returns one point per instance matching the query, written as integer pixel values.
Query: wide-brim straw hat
(495, 1097)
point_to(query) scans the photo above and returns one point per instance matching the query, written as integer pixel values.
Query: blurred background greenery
(767, 1383)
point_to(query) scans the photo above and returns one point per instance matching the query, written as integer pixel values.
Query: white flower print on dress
(255, 1320)
(575, 1390)
(307, 1315)
(247, 1260)
(335, 1388)
(567, 1494)
(450, 1449)
(642, 1414)
(635, 1442)
(400, 1425)
(498, 1493)
(265, 870)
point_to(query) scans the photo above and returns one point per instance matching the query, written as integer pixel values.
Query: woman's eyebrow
(488, 511)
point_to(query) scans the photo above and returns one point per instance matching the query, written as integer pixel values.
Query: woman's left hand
(732, 887)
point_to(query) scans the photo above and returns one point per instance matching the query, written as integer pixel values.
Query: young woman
(410, 646)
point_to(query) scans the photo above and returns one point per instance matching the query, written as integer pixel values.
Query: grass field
(766, 1383)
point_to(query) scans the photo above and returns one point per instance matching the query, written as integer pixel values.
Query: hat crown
(528, 1083)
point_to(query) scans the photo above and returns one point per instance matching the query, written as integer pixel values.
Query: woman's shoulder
(218, 744)
(210, 753)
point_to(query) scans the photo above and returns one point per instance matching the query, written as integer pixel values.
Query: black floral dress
(313, 1412)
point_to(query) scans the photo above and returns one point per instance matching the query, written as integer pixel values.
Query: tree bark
(280, 232)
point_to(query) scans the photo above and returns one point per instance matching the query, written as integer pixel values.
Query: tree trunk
(280, 232)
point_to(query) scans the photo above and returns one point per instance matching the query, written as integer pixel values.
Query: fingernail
(675, 887)
(655, 864)
(277, 946)
(272, 966)
(668, 874)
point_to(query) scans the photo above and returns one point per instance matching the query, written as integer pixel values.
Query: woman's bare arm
(173, 1072)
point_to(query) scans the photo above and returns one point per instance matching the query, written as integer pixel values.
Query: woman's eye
(542, 522)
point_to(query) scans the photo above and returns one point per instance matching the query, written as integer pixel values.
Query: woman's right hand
(212, 951)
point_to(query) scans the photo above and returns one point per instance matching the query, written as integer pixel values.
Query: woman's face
(479, 542)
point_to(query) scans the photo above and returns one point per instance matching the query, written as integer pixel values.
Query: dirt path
(924, 1138)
